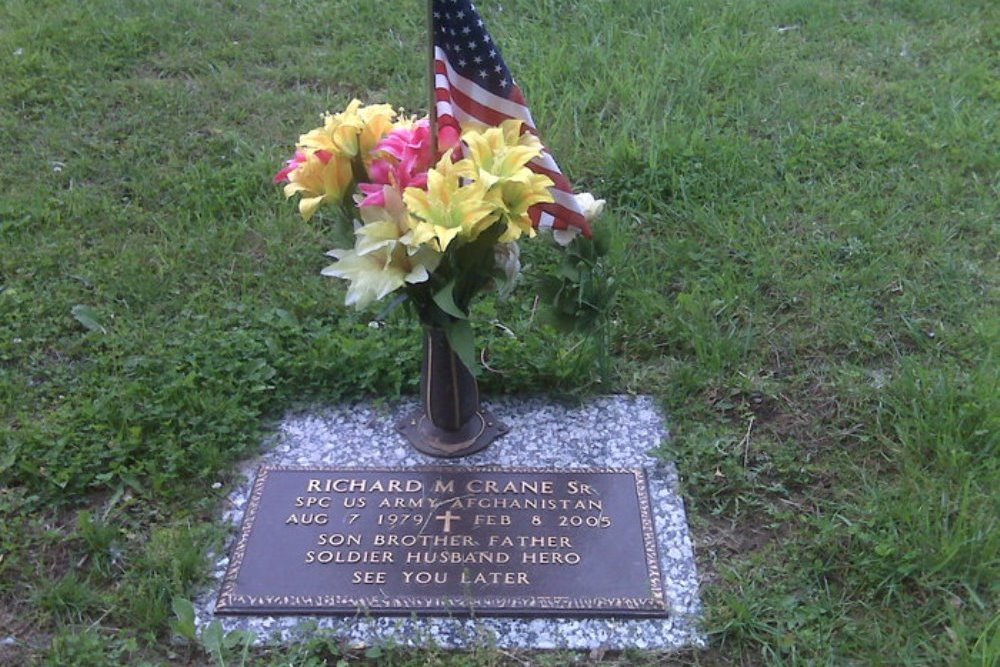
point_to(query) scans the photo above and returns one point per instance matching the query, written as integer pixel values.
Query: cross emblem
(448, 517)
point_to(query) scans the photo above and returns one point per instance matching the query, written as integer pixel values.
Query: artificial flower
(290, 166)
(412, 208)
(409, 144)
(401, 160)
(357, 129)
(322, 177)
(392, 222)
(517, 198)
(339, 133)
(499, 158)
(591, 207)
(380, 263)
(500, 154)
(371, 276)
(376, 124)
(449, 208)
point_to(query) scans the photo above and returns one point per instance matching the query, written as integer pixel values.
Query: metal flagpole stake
(451, 423)
(431, 74)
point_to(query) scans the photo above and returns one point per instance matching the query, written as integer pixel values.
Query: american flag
(473, 86)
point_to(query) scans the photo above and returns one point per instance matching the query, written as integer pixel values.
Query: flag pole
(432, 110)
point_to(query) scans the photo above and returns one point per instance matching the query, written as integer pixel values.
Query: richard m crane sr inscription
(446, 540)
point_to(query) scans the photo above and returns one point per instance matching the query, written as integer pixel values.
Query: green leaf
(236, 638)
(463, 343)
(211, 639)
(568, 272)
(445, 300)
(184, 622)
(88, 317)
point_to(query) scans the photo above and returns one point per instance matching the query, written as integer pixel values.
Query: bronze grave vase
(451, 422)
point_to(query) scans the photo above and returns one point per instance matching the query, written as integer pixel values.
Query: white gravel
(610, 431)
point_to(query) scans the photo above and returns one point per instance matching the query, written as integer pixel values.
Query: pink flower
(405, 158)
(409, 145)
(290, 166)
(374, 194)
(400, 177)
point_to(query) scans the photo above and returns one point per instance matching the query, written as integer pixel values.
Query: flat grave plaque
(446, 541)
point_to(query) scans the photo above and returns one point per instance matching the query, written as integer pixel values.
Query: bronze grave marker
(446, 540)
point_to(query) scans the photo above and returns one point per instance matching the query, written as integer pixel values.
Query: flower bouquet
(431, 227)
(438, 224)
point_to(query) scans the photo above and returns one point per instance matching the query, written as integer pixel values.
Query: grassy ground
(805, 197)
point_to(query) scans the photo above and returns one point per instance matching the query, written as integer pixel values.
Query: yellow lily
(376, 274)
(449, 209)
(380, 263)
(371, 276)
(499, 158)
(377, 122)
(499, 154)
(518, 196)
(322, 178)
(357, 129)
(339, 133)
(392, 221)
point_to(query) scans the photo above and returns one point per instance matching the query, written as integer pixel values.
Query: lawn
(804, 199)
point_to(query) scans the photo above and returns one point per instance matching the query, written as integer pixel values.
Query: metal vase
(451, 422)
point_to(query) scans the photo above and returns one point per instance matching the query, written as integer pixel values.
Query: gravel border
(609, 431)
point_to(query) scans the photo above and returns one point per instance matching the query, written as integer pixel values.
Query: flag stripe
(471, 111)
(563, 199)
(474, 87)
(565, 216)
(471, 90)
(560, 181)
(452, 104)
(481, 113)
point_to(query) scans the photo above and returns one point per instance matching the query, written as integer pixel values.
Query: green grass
(805, 201)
